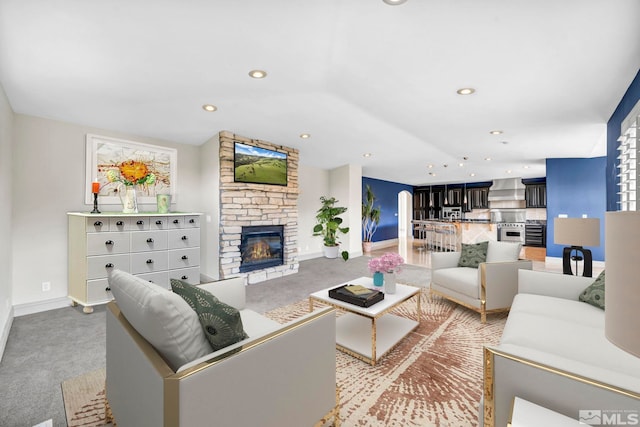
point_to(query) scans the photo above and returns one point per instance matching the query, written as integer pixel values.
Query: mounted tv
(259, 165)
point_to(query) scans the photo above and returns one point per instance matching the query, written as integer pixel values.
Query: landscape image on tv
(259, 165)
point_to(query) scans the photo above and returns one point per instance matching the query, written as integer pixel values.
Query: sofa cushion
(594, 293)
(221, 323)
(161, 317)
(472, 255)
(503, 251)
(459, 279)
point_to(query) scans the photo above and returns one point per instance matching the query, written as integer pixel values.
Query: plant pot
(366, 247)
(331, 251)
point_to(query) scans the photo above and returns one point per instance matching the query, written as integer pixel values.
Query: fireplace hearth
(261, 246)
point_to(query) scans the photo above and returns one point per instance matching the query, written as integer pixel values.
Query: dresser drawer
(118, 224)
(142, 241)
(184, 238)
(99, 266)
(189, 275)
(139, 223)
(107, 243)
(97, 224)
(183, 258)
(98, 291)
(176, 221)
(158, 223)
(148, 262)
(192, 221)
(160, 278)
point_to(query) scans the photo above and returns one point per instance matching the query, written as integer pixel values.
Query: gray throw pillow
(473, 254)
(221, 323)
(594, 293)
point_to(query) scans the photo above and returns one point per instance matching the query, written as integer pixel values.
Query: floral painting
(116, 163)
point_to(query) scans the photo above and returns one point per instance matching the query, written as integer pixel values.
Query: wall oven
(511, 232)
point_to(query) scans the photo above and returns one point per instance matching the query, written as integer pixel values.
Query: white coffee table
(369, 333)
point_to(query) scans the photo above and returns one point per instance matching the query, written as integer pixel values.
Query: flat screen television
(259, 165)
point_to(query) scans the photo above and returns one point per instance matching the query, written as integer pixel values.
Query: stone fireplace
(244, 207)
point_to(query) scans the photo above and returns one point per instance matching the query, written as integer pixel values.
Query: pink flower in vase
(387, 263)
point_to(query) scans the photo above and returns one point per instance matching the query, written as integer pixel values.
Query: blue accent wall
(625, 106)
(576, 187)
(386, 193)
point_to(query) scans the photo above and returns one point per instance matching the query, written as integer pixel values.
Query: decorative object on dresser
(576, 233)
(95, 189)
(155, 247)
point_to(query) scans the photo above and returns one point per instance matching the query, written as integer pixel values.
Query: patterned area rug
(432, 378)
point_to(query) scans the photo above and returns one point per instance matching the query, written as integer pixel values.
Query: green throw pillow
(594, 293)
(221, 323)
(473, 254)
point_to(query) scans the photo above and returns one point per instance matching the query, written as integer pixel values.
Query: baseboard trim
(40, 306)
(4, 337)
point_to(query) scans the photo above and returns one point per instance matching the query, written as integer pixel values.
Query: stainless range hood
(508, 189)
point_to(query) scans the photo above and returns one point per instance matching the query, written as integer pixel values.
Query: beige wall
(6, 130)
(49, 181)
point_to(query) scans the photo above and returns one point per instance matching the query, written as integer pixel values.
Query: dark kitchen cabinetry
(535, 234)
(536, 195)
(478, 198)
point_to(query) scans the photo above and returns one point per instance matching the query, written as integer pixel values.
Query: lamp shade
(576, 231)
(622, 283)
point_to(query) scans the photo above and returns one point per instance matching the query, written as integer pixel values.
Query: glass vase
(378, 279)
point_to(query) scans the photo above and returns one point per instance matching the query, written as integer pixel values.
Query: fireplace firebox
(261, 246)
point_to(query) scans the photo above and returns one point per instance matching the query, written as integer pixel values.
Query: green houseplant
(370, 219)
(328, 226)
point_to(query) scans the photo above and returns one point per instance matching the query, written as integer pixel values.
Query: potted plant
(328, 226)
(370, 219)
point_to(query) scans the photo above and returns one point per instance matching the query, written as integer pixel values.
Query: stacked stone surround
(243, 204)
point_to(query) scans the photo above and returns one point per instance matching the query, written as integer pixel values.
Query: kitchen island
(439, 235)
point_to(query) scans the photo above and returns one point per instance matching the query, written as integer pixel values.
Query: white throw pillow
(161, 317)
(503, 251)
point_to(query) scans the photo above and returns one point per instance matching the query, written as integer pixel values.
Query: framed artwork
(111, 162)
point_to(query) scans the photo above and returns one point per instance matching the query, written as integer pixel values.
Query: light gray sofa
(490, 288)
(280, 375)
(553, 352)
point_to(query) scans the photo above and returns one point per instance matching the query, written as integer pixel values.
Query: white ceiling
(359, 75)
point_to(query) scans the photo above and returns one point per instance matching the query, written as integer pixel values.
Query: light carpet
(432, 378)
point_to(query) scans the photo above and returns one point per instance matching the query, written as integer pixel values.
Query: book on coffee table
(357, 295)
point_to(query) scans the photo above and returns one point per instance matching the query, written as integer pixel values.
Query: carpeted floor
(433, 378)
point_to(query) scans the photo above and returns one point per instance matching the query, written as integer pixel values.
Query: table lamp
(576, 233)
(622, 288)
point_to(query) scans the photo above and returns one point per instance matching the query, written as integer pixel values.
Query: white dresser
(156, 247)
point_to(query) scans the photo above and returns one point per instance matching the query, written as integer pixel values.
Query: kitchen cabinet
(536, 195)
(478, 198)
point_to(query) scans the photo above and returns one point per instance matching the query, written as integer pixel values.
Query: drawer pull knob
(184, 277)
(175, 221)
(149, 261)
(158, 222)
(109, 265)
(184, 237)
(140, 222)
(109, 242)
(98, 223)
(149, 240)
(192, 221)
(120, 223)
(185, 257)
(108, 289)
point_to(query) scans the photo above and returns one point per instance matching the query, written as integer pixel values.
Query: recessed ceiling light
(258, 74)
(430, 166)
(487, 158)
(508, 171)
(305, 135)
(505, 142)
(210, 108)
(472, 174)
(466, 91)
(366, 155)
(496, 132)
(526, 166)
(461, 164)
(394, 2)
(432, 173)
